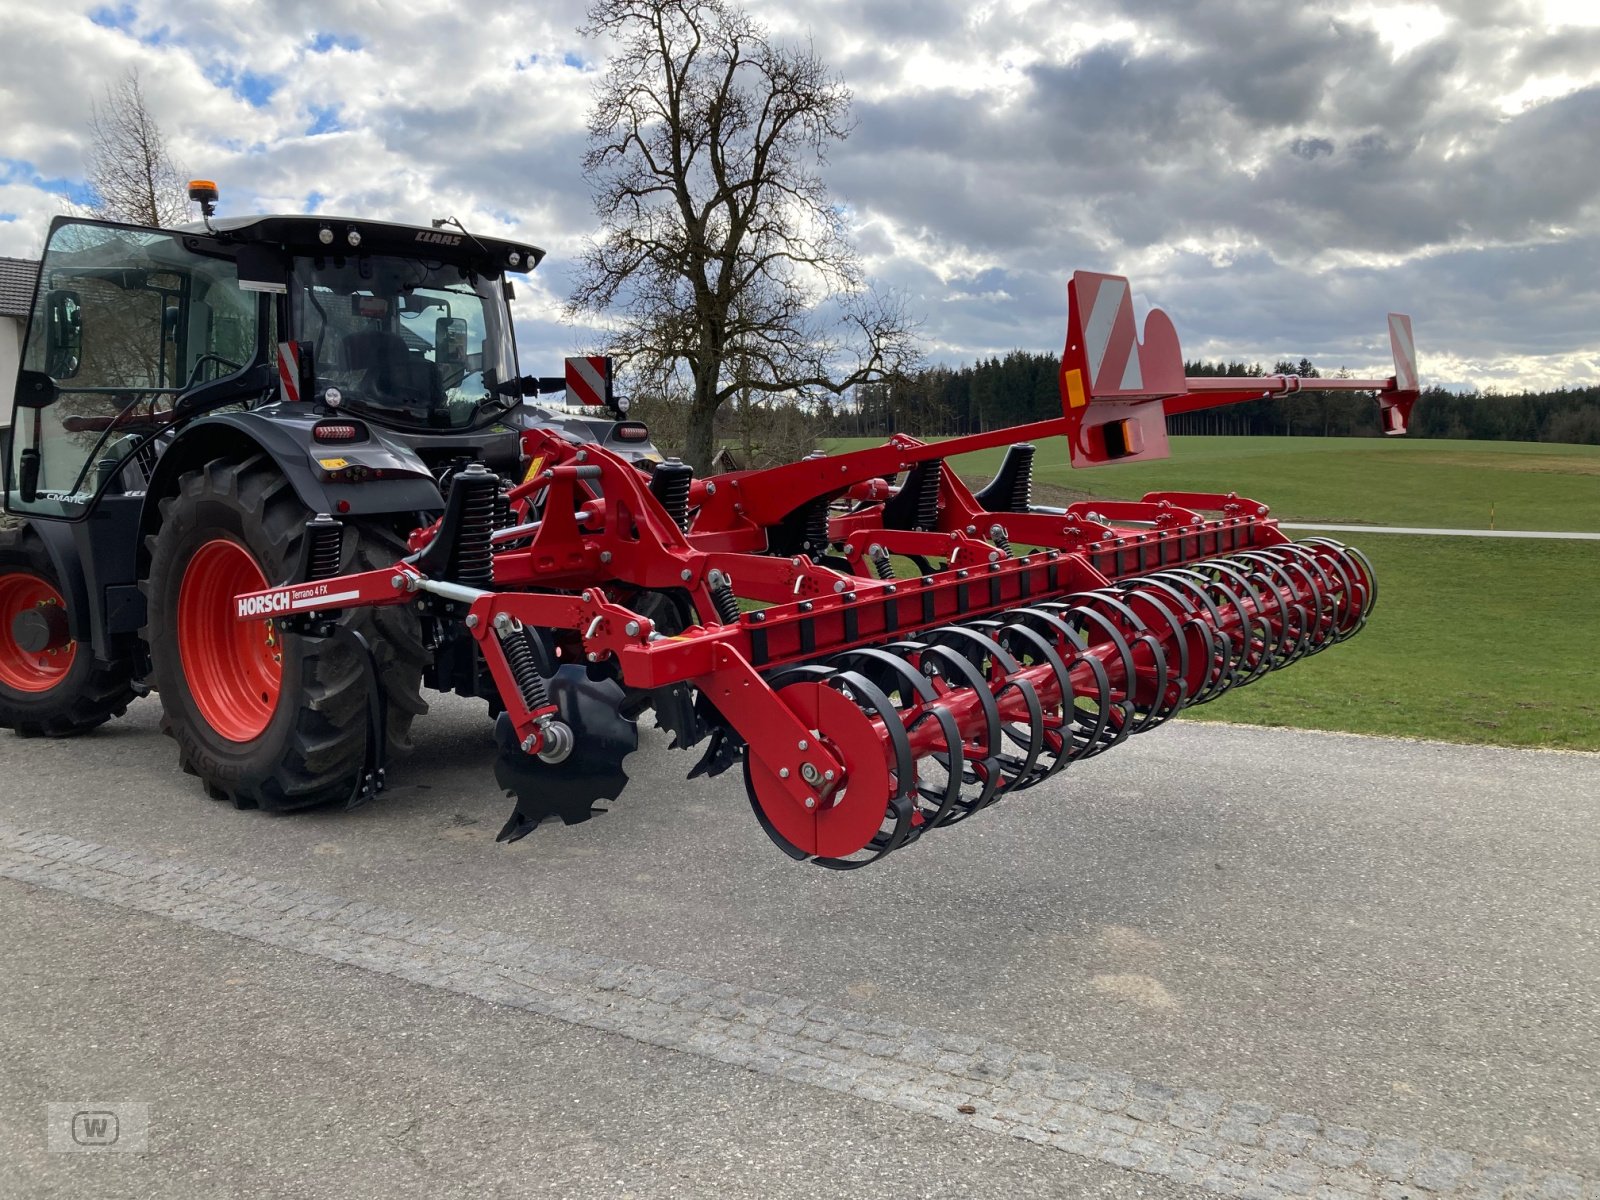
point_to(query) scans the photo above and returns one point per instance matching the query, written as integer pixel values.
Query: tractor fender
(288, 441)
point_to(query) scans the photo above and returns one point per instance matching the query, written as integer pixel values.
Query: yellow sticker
(332, 464)
(534, 468)
(1075, 396)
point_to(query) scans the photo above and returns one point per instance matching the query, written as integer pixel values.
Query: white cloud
(1277, 177)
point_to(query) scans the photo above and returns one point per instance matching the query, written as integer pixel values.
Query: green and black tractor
(208, 410)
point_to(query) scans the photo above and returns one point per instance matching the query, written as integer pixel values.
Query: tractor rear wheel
(268, 719)
(50, 685)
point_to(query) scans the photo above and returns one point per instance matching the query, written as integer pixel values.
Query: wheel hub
(36, 647)
(41, 629)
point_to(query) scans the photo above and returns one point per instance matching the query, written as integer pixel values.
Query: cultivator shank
(885, 652)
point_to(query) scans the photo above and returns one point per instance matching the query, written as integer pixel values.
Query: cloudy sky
(1276, 175)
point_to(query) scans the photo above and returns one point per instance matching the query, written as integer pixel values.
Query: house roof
(17, 276)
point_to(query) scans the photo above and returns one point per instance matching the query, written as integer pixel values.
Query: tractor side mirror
(63, 334)
(450, 342)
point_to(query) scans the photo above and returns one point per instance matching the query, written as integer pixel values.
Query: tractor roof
(331, 235)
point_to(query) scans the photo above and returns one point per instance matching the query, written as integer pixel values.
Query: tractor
(206, 410)
(285, 471)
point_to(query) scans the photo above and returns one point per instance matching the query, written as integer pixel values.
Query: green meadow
(1473, 640)
(1377, 481)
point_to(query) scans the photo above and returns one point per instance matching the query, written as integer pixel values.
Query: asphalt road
(1393, 936)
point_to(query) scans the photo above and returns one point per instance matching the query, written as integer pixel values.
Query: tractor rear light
(339, 431)
(631, 431)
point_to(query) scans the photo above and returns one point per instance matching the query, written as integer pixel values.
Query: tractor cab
(136, 330)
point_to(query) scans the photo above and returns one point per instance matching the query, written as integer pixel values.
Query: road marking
(1228, 1146)
(1426, 532)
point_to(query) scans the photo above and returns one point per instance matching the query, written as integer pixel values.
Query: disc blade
(602, 738)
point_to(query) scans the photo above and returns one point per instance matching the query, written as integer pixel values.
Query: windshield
(408, 341)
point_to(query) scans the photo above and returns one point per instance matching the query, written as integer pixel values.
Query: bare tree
(129, 167)
(720, 250)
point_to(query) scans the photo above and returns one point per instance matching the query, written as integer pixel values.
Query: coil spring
(881, 562)
(1022, 481)
(524, 663)
(326, 552)
(1011, 489)
(816, 528)
(997, 535)
(669, 484)
(473, 557)
(502, 508)
(916, 504)
(722, 597)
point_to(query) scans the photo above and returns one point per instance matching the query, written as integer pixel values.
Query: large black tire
(37, 697)
(313, 745)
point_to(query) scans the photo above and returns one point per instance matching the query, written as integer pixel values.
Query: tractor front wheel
(49, 685)
(268, 719)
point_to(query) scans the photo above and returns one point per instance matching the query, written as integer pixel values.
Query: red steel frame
(603, 536)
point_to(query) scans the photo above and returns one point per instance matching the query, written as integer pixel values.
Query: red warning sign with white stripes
(589, 381)
(289, 371)
(1104, 342)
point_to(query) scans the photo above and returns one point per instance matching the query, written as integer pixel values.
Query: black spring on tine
(1363, 565)
(1037, 647)
(1211, 645)
(898, 807)
(916, 693)
(979, 648)
(1262, 636)
(1224, 660)
(1220, 595)
(1358, 578)
(1338, 597)
(1301, 586)
(1348, 619)
(1302, 563)
(1275, 584)
(1148, 717)
(1164, 708)
(1096, 731)
(958, 672)
(1178, 681)
(1082, 620)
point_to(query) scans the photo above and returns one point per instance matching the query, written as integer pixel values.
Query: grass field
(1381, 481)
(1474, 639)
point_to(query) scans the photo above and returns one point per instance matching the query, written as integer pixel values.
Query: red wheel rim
(23, 670)
(234, 668)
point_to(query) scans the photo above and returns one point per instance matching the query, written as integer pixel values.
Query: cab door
(124, 322)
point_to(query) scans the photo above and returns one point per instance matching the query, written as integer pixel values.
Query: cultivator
(885, 651)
